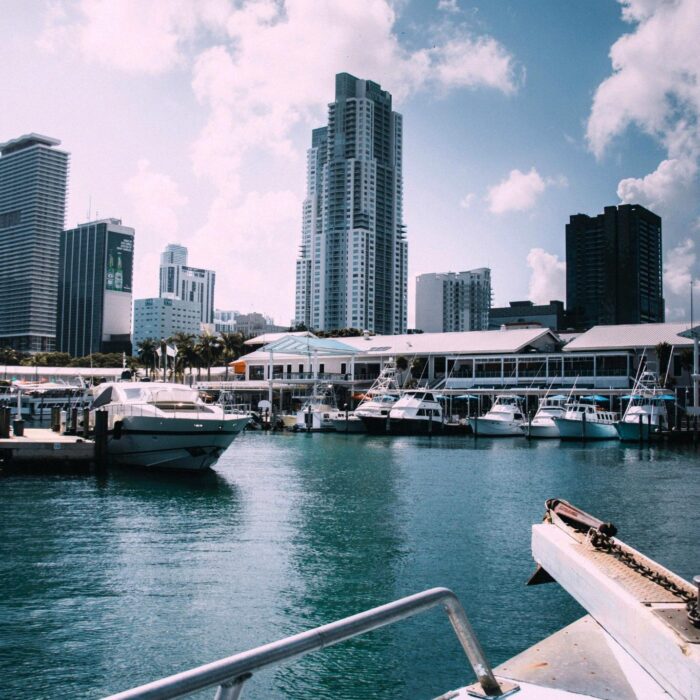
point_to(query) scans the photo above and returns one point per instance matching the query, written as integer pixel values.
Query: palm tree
(664, 354)
(208, 348)
(231, 347)
(186, 353)
(147, 354)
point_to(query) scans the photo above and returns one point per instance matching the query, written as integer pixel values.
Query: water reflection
(347, 548)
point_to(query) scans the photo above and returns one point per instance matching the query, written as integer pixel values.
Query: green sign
(120, 262)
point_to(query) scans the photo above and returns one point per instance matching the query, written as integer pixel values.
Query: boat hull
(172, 443)
(633, 432)
(495, 428)
(352, 424)
(585, 430)
(404, 426)
(542, 430)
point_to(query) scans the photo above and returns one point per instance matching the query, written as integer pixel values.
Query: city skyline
(513, 123)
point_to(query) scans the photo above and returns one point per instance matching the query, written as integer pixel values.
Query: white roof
(266, 338)
(467, 343)
(630, 336)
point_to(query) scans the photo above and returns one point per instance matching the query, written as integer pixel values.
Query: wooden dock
(42, 449)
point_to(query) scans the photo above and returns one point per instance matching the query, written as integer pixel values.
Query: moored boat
(646, 410)
(504, 419)
(164, 426)
(542, 424)
(318, 411)
(585, 421)
(417, 412)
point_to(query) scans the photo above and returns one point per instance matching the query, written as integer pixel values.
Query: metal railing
(231, 673)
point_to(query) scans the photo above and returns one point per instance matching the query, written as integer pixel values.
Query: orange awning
(238, 366)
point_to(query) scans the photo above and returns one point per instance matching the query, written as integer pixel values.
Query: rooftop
(623, 337)
(26, 141)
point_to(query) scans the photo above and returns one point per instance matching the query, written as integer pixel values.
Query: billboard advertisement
(120, 262)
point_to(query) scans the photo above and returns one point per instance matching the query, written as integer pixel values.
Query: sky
(190, 120)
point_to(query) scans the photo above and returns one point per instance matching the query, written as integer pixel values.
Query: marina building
(604, 358)
(95, 288)
(33, 177)
(453, 301)
(614, 267)
(178, 280)
(525, 313)
(352, 266)
(162, 317)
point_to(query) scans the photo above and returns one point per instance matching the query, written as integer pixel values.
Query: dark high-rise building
(33, 175)
(95, 288)
(352, 270)
(614, 267)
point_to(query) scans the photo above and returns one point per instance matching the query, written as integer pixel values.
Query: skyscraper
(352, 267)
(614, 267)
(94, 288)
(33, 175)
(179, 281)
(453, 301)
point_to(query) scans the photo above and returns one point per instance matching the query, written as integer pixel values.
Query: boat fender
(117, 432)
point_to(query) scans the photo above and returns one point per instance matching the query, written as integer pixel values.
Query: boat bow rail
(230, 673)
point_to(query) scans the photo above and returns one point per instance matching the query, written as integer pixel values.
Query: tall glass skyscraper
(352, 267)
(33, 175)
(94, 290)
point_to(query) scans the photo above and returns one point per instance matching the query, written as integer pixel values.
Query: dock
(43, 449)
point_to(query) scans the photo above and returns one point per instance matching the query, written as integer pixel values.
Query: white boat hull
(542, 430)
(495, 428)
(171, 443)
(585, 430)
(314, 421)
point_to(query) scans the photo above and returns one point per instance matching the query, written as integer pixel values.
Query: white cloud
(548, 276)
(137, 36)
(467, 200)
(450, 6)
(667, 183)
(677, 268)
(520, 191)
(155, 202)
(655, 85)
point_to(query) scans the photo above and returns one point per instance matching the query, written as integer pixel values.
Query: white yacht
(542, 424)
(504, 419)
(585, 421)
(377, 402)
(166, 426)
(318, 411)
(646, 410)
(417, 412)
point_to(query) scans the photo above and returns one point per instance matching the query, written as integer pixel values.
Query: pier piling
(100, 441)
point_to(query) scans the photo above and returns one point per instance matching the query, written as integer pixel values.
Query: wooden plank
(671, 661)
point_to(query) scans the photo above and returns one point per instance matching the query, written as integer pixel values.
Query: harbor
(114, 580)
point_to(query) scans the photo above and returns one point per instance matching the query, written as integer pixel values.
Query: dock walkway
(44, 448)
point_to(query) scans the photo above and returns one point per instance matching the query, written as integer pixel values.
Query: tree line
(193, 352)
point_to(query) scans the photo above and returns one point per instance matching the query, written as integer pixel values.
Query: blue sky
(190, 122)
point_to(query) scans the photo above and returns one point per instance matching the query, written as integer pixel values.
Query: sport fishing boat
(164, 426)
(417, 412)
(586, 421)
(377, 402)
(319, 409)
(542, 425)
(640, 638)
(646, 410)
(505, 418)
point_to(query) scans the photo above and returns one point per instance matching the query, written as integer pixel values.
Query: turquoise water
(111, 582)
